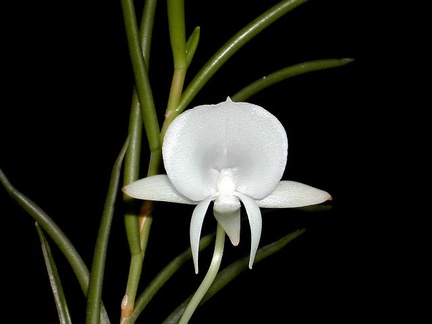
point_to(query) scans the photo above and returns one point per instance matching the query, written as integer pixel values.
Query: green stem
(142, 110)
(142, 82)
(176, 25)
(131, 173)
(209, 278)
(174, 98)
(232, 46)
(133, 154)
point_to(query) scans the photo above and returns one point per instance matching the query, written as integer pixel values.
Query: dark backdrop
(66, 88)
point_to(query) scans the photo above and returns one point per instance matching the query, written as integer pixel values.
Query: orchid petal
(195, 228)
(242, 137)
(157, 187)
(226, 210)
(290, 194)
(255, 222)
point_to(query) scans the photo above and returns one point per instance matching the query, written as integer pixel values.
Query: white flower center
(226, 202)
(226, 185)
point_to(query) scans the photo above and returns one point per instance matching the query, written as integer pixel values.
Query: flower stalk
(209, 277)
(182, 55)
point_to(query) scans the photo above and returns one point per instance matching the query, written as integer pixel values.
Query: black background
(67, 85)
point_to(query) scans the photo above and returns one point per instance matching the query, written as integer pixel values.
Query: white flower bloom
(229, 154)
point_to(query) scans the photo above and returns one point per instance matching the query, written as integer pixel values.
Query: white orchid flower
(229, 154)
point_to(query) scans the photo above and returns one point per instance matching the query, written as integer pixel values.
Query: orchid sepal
(292, 194)
(158, 188)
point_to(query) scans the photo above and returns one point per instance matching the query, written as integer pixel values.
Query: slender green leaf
(54, 278)
(52, 229)
(286, 73)
(146, 29)
(94, 295)
(192, 44)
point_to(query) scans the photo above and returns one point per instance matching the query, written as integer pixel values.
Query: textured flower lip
(229, 154)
